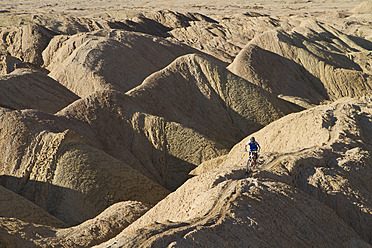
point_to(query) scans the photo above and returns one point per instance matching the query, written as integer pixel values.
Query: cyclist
(254, 148)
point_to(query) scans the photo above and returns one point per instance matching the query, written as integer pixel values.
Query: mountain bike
(251, 163)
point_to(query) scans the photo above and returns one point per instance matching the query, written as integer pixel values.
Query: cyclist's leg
(250, 158)
(255, 156)
(248, 161)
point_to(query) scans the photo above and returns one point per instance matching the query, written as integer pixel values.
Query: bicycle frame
(251, 162)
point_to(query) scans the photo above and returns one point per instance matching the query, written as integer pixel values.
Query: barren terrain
(123, 123)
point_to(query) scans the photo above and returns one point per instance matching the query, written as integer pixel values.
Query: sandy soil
(106, 106)
(82, 8)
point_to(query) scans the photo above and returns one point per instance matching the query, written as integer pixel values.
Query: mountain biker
(254, 147)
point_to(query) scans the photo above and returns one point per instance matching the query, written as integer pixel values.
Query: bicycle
(251, 163)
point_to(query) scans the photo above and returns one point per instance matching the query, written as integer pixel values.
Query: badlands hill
(62, 161)
(94, 231)
(166, 143)
(123, 124)
(103, 60)
(364, 7)
(311, 190)
(313, 62)
(52, 166)
(25, 43)
(28, 89)
(204, 93)
(316, 188)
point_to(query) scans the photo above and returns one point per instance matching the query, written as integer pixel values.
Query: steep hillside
(26, 43)
(24, 89)
(209, 99)
(16, 207)
(190, 112)
(94, 231)
(364, 7)
(104, 59)
(325, 179)
(325, 152)
(153, 145)
(50, 165)
(314, 62)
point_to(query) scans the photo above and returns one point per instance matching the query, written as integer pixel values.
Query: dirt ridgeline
(73, 165)
(364, 7)
(28, 89)
(103, 60)
(150, 112)
(269, 213)
(106, 225)
(301, 64)
(166, 143)
(54, 167)
(322, 174)
(330, 160)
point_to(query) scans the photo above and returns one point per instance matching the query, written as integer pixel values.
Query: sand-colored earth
(123, 123)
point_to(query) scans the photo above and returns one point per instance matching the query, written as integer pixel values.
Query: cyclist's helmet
(252, 139)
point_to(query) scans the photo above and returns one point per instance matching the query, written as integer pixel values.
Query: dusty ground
(205, 7)
(110, 9)
(117, 118)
